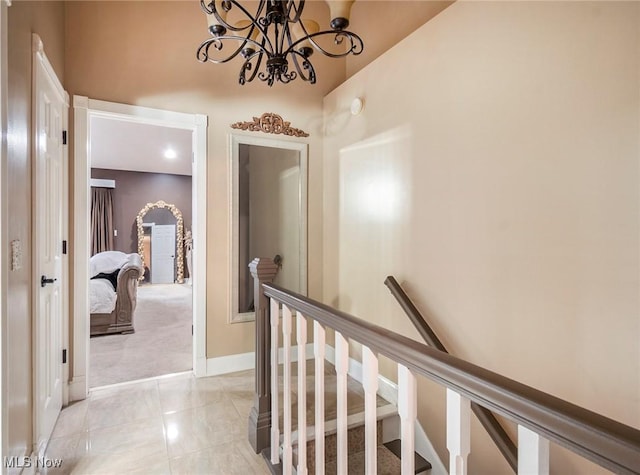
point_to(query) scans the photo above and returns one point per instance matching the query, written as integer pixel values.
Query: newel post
(263, 271)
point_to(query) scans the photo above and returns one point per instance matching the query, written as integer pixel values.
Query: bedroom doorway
(150, 160)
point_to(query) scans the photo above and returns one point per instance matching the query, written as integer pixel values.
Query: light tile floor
(172, 425)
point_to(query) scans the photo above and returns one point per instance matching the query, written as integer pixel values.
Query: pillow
(106, 262)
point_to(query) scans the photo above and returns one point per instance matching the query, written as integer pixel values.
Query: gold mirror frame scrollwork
(179, 235)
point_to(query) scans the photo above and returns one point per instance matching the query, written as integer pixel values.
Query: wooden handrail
(611, 444)
(414, 314)
(497, 433)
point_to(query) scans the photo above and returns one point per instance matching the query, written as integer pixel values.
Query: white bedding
(106, 262)
(102, 296)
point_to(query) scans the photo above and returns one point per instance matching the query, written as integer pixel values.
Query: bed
(113, 289)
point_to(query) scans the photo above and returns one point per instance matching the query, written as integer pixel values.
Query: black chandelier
(277, 36)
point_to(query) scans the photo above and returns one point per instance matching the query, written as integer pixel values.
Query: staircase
(388, 450)
(334, 443)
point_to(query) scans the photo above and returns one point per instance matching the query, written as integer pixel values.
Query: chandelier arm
(256, 69)
(356, 44)
(248, 66)
(296, 9)
(252, 18)
(217, 43)
(306, 65)
(242, 79)
(287, 77)
(203, 52)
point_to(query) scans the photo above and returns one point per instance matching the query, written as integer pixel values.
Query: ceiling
(124, 145)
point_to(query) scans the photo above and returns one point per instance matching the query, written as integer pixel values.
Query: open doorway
(140, 298)
(152, 163)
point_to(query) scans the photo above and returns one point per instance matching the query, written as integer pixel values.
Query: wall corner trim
(80, 102)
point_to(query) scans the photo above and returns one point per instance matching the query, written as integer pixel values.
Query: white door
(163, 253)
(50, 104)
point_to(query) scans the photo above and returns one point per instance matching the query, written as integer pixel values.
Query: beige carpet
(161, 344)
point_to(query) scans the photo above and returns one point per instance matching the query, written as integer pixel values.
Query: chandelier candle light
(275, 37)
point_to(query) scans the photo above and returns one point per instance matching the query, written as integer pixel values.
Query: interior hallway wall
(47, 20)
(495, 174)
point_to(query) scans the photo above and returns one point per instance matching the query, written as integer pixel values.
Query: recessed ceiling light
(170, 153)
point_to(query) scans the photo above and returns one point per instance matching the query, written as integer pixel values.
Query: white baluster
(275, 428)
(287, 453)
(370, 385)
(342, 366)
(301, 327)
(533, 453)
(458, 432)
(319, 335)
(407, 409)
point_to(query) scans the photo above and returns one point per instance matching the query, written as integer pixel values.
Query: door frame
(4, 445)
(84, 110)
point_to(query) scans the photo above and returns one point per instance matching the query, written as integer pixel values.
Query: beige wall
(24, 18)
(495, 174)
(383, 24)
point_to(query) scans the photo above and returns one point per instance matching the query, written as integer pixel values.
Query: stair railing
(497, 433)
(541, 417)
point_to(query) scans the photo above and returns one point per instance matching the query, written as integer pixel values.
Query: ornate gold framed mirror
(179, 236)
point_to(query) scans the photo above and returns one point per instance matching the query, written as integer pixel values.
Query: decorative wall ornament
(270, 123)
(179, 235)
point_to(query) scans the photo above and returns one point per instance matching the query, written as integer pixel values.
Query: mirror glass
(269, 216)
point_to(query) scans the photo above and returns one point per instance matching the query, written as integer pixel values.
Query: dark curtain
(101, 220)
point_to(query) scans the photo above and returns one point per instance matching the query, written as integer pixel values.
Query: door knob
(44, 281)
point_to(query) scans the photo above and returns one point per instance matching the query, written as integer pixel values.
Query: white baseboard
(78, 389)
(230, 363)
(245, 361)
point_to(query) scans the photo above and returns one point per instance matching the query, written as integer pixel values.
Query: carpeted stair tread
(395, 447)
(387, 463)
(389, 453)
